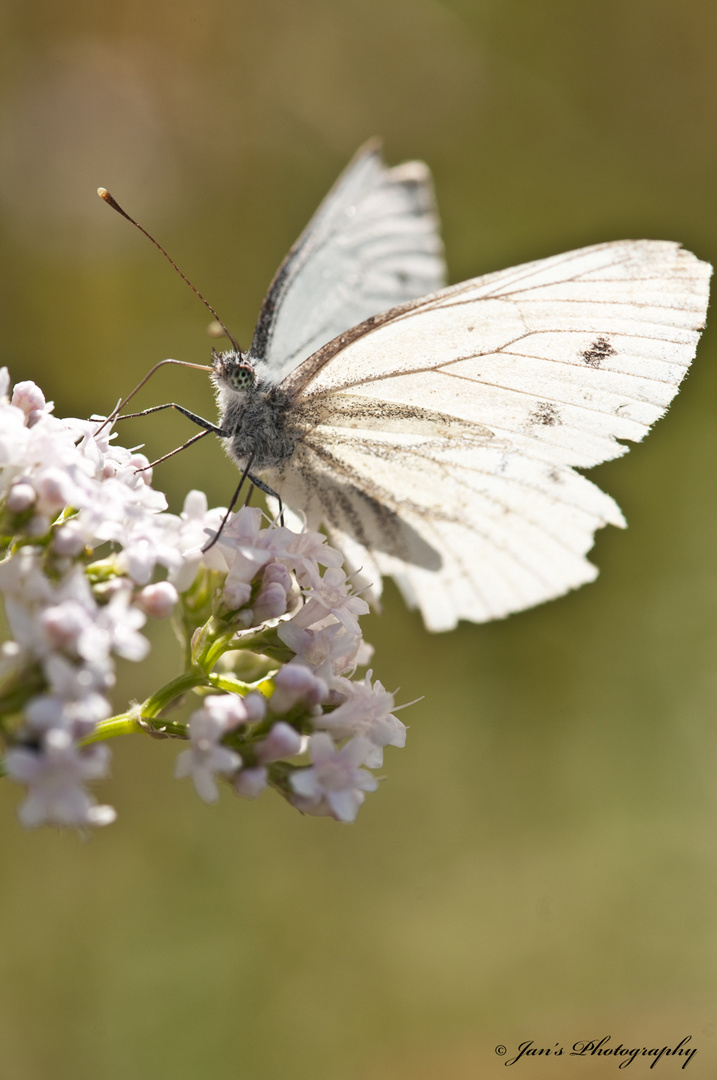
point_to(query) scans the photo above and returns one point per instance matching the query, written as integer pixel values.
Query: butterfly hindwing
(373, 244)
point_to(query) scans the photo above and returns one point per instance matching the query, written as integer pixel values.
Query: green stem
(164, 697)
(131, 723)
(122, 724)
(229, 683)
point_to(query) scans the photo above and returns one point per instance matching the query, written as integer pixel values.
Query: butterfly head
(233, 371)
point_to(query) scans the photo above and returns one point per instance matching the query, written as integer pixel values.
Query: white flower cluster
(65, 490)
(273, 575)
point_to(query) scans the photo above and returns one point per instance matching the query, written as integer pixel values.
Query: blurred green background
(540, 861)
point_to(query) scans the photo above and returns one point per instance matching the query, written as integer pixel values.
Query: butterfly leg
(267, 491)
(231, 506)
(194, 438)
(198, 420)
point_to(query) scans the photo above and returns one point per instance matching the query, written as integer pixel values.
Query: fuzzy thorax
(255, 416)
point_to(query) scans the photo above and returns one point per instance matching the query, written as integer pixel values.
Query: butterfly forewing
(491, 391)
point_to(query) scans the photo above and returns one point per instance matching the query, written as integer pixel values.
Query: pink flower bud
(255, 705)
(227, 710)
(54, 489)
(30, 398)
(236, 595)
(69, 540)
(283, 741)
(270, 603)
(251, 782)
(157, 600)
(295, 683)
(21, 497)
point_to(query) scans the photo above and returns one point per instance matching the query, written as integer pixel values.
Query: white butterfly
(436, 442)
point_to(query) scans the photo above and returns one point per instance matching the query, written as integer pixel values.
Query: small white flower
(46, 711)
(121, 620)
(303, 550)
(244, 546)
(330, 650)
(207, 757)
(54, 778)
(188, 533)
(79, 716)
(71, 681)
(331, 595)
(22, 578)
(366, 711)
(335, 776)
(64, 624)
(143, 546)
(75, 697)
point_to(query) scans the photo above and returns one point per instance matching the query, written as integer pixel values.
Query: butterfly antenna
(104, 194)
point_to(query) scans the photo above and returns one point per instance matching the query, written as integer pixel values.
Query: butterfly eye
(240, 376)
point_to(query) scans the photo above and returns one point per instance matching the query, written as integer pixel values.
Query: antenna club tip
(104, 194)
